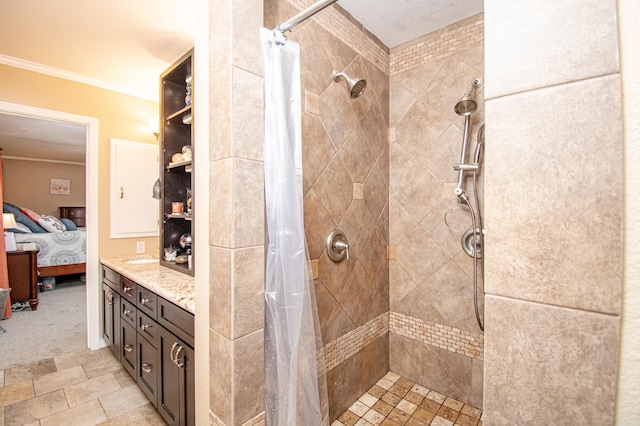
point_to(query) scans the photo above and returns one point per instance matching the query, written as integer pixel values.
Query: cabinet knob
(146, 367)
(143, 327)
(128, 348)
(110, 298)
(127, 289)
(145, 301)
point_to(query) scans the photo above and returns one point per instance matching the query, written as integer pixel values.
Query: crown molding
(43, 160)
(68, 75)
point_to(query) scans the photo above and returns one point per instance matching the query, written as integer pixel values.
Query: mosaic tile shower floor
(396, 401)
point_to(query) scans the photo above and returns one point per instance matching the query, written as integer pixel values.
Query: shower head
(356, 86)
(467, 105)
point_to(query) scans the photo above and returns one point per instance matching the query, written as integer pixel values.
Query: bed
(60, 253)
(62, 245)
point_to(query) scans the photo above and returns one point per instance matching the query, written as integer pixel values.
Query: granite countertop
(172, 285)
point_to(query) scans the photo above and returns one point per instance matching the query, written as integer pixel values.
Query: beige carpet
(58, 326)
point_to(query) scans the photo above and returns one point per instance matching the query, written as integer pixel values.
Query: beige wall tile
(247, 17)
(411, 255)
(568, 160)
(248, 291)
(446, 372)
(220, 121)
(405, 357)
(248, 124)
(248, 377)
(356, 156)
(335, 188)
(548, 364)
(317, 155)
(89, 413)
(220, 376)
(248, 203)
(555, 42)
(221, 294)
(318, 224)
(311, 101)
(221, 203)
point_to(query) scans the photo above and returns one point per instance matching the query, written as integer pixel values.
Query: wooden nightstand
(76, 214)
(23, 276)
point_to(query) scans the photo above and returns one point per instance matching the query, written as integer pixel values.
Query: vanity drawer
(128, 289)
(176, 320)
(147, 302)
(128, 312)
(111, 277)
(148, 328)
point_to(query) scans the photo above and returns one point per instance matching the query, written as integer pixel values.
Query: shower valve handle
(342, 245)
(337, 245)
(472, 167)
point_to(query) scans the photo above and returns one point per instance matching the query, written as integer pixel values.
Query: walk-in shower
(472, 239)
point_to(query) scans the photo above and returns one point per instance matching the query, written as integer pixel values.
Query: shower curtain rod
(304, 15)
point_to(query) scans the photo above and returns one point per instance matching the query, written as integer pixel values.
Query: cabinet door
(176, 401)
(111, 318)
(134, 170)
(129, 352)
(148, 369)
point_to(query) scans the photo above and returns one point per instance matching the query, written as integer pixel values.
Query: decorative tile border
(442, 336)
(439, 44)
(336, 21)
(354, 341)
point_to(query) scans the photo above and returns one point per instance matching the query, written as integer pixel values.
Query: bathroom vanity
(148, 323)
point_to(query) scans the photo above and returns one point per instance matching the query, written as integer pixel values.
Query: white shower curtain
(296, 392)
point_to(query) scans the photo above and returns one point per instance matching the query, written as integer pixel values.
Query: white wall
(628, 410)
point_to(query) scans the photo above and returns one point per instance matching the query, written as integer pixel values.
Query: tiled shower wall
(434, 339)
(346, 169)
(554, 176)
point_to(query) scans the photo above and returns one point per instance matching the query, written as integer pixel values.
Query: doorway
(91, 198)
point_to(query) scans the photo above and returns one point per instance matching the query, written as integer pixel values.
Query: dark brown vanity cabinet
(111, 311)
(153, 339)
(176, 393)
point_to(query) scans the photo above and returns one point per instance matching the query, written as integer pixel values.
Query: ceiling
(125, 45)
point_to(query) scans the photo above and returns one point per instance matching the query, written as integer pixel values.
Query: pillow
(30, 214)
(20, 229)
(51, 224)
(22, 218)
(68, 223)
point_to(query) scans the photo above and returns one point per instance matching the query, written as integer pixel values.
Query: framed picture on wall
(60, 186)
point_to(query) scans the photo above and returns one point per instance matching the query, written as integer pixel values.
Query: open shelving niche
(176, 177)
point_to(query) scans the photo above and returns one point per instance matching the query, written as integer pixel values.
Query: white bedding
(58, 248)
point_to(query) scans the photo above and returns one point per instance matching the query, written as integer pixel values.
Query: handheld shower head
(356, 86)
(467, 105)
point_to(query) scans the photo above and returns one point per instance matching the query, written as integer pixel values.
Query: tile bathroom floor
(81, 388)
(397, 401)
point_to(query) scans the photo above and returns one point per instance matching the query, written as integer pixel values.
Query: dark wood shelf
(176, 179)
